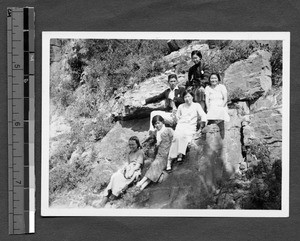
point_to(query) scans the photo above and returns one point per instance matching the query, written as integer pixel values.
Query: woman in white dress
(187, 117)
(131, 172)
(216, 102)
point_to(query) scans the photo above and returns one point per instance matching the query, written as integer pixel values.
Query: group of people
(203, 101)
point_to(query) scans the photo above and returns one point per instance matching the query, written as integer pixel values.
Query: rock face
(128, 105)
(180, 61)
(265, 123)
(251, 78)
(191, 183)
(55, 50)
(114, 145)
(232, 148)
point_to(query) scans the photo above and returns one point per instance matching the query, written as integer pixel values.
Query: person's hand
(172, 104)
(174, 110)
(202, 125)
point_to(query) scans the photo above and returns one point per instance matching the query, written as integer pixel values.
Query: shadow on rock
(138, 125)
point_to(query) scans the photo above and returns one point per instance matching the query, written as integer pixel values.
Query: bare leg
(104, 201)
(145, 184)
(141, 182)
(169, 164)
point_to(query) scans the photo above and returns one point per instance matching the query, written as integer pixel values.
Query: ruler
(20, 82)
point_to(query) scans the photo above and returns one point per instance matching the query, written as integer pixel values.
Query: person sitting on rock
(131, 172)
(187, 118)
(164, 136)
(216, 102)
(173, 98)
(198, 78)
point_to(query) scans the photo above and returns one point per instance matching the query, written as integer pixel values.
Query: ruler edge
(31, 126)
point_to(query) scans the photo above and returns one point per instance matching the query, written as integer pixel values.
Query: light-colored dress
(121, 179)
(159, 164)
(187, 118)
(215, 104)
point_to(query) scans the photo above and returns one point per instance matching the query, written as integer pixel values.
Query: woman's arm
(178, 113)
(139, 160)
(224, 93)
(201, 113)
(207, 98)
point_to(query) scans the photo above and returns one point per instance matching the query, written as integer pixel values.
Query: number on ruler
(19, 182)
(26, 80)
(31, 57)
(9, 13)
(17, 66)
(17, 123)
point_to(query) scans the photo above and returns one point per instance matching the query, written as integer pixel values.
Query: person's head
(172, 80)
(134, 143)
(158, 122)
(214, 79)
(196, 56)
(188, 96)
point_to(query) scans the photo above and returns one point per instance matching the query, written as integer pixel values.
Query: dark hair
(216, 74)
(172, 76)
(157, 118)
(137, 141)
(196, 52)
(188, 92)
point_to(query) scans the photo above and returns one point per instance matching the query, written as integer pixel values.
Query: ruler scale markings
(20, 40)
(31, 36)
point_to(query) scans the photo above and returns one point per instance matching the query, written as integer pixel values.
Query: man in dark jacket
(198, 78)
(173, 97)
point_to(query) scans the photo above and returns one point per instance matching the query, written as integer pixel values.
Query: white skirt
(218, 113)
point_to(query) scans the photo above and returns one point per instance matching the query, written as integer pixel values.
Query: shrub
(62, 154)
(259, 189)
(68, 175)
(276, 64)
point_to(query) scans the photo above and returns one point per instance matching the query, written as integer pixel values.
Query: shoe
(169, 169)
(179, 160)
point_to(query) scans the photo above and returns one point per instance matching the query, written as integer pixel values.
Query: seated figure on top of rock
(216, 102)
(187, 117)
(198, 78)
(131, 172)
(164, 136)
(173, 97)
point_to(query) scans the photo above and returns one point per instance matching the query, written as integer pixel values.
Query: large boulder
(128, 105)
(180, 61)
(114, 146)
(265, 123)
(232, 147)
(251, 78)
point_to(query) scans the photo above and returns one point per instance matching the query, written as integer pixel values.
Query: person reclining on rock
(164, 136)
(131, 172)
(173, 97)
(198, 78)
(187, 118)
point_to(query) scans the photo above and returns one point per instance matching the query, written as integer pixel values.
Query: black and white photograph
(192, 124)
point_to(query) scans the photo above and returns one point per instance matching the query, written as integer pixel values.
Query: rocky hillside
(240, 171)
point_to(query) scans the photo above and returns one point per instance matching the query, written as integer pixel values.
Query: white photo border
(48, 211)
